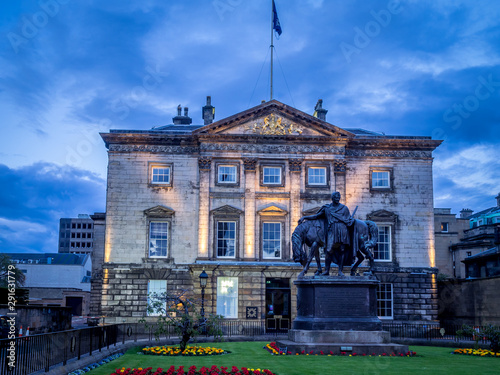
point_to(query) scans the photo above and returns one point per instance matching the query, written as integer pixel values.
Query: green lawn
(429, 360)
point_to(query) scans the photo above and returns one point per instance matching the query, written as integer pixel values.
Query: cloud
(33, 199)
(467, 178)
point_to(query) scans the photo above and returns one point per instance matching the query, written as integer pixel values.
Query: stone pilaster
(339, 169)
(295, 166)
(249, 165)
(205, 165)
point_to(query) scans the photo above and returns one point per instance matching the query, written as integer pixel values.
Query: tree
(9, 273)
(180, 312)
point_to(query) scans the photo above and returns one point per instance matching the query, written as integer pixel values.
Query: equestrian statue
(343, 238)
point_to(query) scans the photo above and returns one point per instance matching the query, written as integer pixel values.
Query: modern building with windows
(226, 196)
(76, 235)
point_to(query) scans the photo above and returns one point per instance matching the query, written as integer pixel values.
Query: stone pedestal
(338, 314)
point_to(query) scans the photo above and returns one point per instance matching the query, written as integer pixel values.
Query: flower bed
(189, 351)
(477, 352)
(273, 349)
(96, 364)
(214, 370)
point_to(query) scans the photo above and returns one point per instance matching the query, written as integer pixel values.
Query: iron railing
(43, 352)
(431, 331)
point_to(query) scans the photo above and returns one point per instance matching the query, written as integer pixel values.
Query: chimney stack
(498, 200)
(465, 213)
(182, 120)
(208, 112)
(319, 112)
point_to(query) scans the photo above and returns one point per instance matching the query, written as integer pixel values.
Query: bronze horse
(364, 235)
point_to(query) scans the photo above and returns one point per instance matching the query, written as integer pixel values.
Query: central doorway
(278, 295)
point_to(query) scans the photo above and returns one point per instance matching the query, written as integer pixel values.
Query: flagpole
(272, 47)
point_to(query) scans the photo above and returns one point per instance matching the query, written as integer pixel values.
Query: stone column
(204, 164)
(295, 166)
(339, 169)
(249, 250)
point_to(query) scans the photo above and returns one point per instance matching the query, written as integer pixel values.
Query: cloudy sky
(70, 69)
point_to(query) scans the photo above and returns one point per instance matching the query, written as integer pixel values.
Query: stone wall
(473, 302)
(415, 295)
(40, 319)
(99, 220)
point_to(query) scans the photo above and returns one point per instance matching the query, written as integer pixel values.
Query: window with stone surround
(226, 239)
(444, 227)
(271, 240)
(381, 178)
(383, 250)
(272, 175)
(384, 301)
(158, 239)
(156, 290)
(317, 176)
(227, 174)
(227, 297)
(160, 174)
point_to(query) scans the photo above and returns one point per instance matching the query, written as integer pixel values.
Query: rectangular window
(271, 175)
(444, 227)
(156, 293)
(316, 176)
(271, 240)
(158, 239)
(469, 253)
(226, 174)
(381, 179)
(384, 301)
(226, 239)
(383, 248)
(227, 297)
(160, 175)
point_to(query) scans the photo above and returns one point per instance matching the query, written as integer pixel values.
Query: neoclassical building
(226, 196)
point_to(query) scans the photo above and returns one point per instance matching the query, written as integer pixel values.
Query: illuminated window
(384, 301)
(156, 293)
(158, 239)
(382, 251)
(381, 180)
(227, 297)
(271, 175)
(160, 175)
(444, 227)
(271, 240)
(226, 239)
(316, 176)
(226, 174)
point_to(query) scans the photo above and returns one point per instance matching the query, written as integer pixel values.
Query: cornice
(394, 143)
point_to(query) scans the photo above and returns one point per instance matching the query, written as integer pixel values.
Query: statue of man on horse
(343, 238)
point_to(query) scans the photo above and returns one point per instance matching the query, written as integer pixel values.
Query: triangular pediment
(159, 211)
(272, 210)
(382, 215)
(274, 118)
(227, 210)
(311, 211)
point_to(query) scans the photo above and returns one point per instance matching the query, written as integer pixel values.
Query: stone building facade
(226, 196)
(449, 229)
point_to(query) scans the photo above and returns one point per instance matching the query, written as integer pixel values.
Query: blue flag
(276, 21)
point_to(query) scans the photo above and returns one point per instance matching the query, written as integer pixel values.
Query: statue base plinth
(338, 342)
(337, 303)
(338, 314)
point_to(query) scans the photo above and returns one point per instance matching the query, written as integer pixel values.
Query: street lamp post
(203, 284)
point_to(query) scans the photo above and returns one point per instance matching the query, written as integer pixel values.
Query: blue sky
(71, 69)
